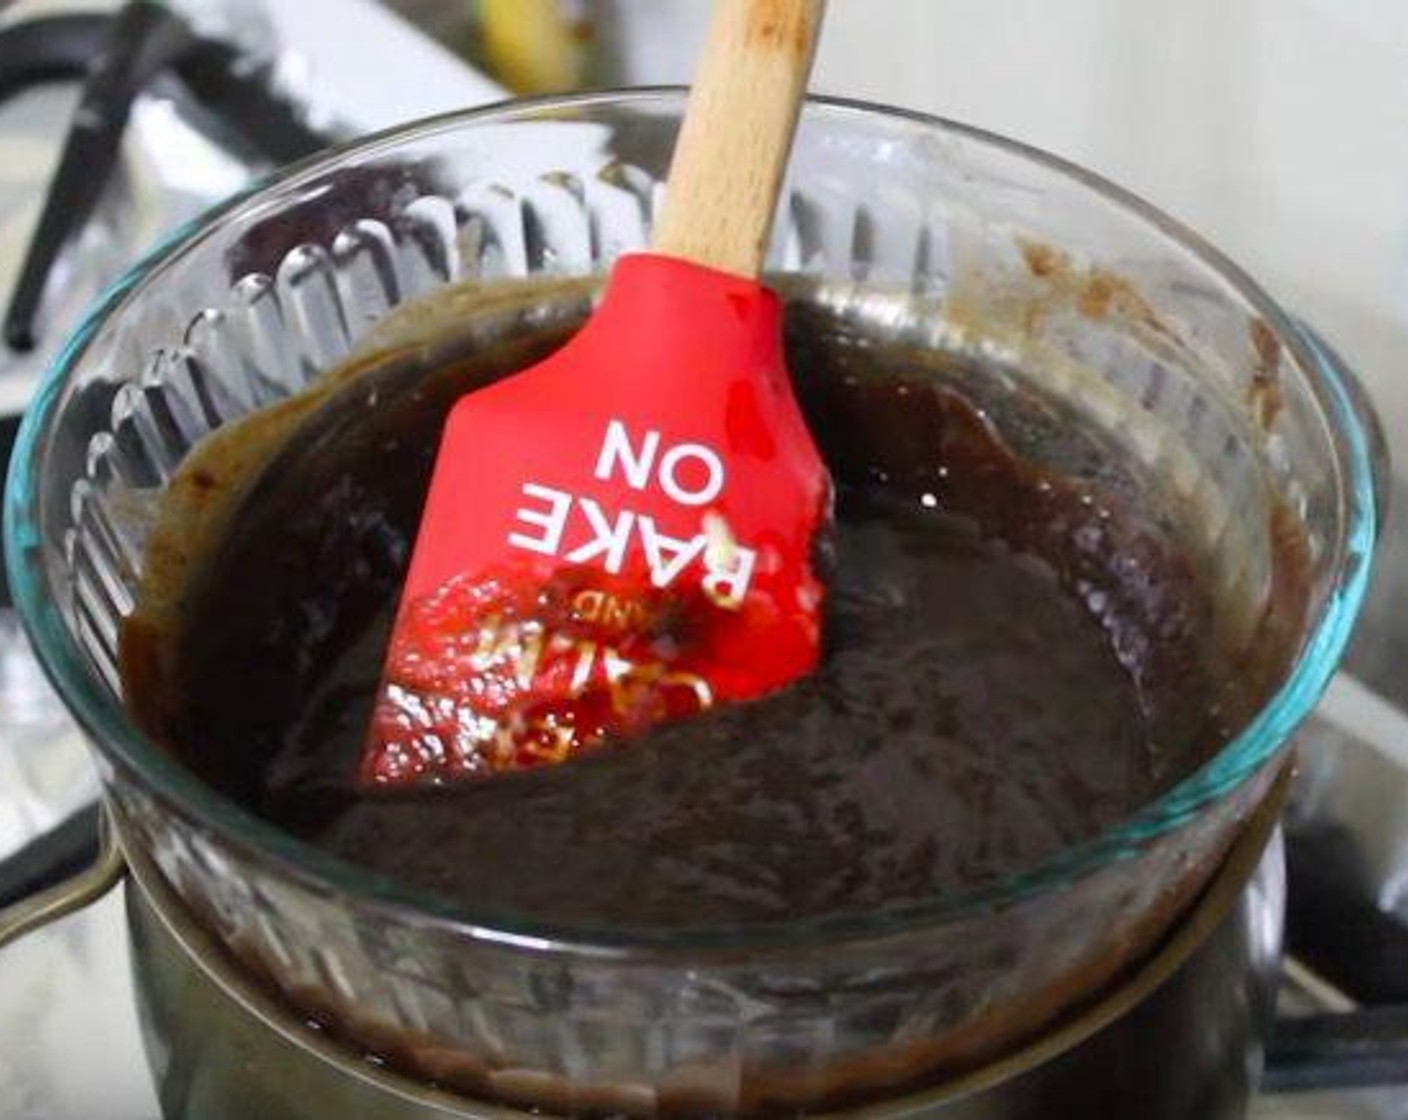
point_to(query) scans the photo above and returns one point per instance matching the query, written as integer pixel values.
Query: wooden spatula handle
(737, 133)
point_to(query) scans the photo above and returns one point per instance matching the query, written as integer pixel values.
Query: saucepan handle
(49, 48)
(1362, 1049)
(50, 878)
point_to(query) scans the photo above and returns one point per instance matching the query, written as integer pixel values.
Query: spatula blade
(620, 534)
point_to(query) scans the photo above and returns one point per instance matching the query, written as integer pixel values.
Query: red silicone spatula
(622, 533)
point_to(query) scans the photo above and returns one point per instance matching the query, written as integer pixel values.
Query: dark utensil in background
(142, 41)
(116, 57)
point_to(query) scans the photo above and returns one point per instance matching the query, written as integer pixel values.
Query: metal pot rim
(1210, 910)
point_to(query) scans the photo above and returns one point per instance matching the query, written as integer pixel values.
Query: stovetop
(69, 1042)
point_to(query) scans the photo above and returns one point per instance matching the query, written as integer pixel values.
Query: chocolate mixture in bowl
(1016, 656)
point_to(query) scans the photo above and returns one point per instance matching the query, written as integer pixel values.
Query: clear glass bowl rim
(159, 773)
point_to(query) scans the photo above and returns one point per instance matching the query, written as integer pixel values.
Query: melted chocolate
(1016, 657)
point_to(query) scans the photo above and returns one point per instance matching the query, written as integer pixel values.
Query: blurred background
(1278, 129)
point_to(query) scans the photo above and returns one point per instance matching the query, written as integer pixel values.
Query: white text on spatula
(578, 529)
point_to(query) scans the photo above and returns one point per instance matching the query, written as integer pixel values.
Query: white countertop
(1276, 128)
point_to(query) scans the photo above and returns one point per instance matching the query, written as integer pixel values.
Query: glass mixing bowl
(951, 237)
